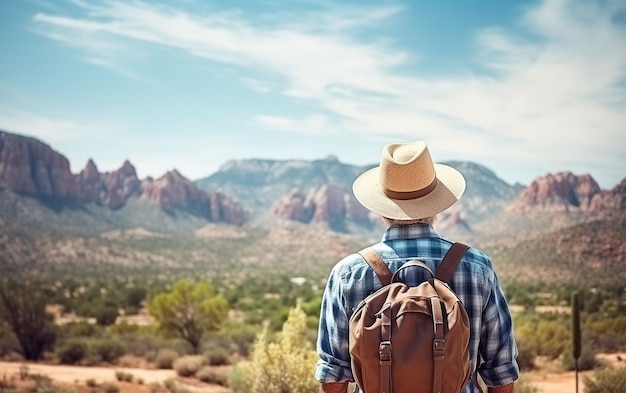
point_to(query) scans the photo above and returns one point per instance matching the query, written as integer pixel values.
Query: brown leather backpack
(411, 339)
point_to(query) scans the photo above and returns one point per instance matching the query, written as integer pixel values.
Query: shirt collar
(410, 231)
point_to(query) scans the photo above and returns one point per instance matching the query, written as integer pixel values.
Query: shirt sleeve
(498, 349)
(332, 339)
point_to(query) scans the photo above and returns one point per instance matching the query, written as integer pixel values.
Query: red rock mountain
(564, 191)
(28, 166)
(329, 205)
(31, 167)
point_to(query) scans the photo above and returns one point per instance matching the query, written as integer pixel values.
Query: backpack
(411, 339)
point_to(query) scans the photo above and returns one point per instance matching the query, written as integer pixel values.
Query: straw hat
(408, 185)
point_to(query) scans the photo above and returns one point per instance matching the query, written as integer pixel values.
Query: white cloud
(50, 129)
(315, 124)
(554, 91)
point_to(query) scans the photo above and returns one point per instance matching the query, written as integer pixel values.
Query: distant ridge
(265, 192)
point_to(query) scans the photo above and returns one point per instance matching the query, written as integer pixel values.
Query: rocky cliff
(567, 192)
(28, 166)
(329, 205)
(31, 167)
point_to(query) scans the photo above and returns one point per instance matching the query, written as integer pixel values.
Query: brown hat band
(406, 195)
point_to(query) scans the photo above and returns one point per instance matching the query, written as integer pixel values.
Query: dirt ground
(547, 378)
(77, 376)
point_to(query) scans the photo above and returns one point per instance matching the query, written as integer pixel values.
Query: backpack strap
(380, 268)
(450, 261)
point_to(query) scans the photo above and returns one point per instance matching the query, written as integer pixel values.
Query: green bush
(282, 366)
(526, 355)
(586, 361)
(73, 351)
(237, 379)
(124, 376)
(217, 357)
(209, 375)
(109, 387)
(188, 366)
(606, 381)
(165, 358)
(108, 350)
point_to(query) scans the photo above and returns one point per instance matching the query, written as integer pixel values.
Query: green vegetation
(606, 381)
(240, 285)
(189, 311)
(282, 366)
(23, 309)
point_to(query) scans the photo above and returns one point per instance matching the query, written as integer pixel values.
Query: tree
(189, 311)
(23, 308)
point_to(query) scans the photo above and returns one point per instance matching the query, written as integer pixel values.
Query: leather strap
(439, 343)
(450, 261)
(380, 268)
(384, 349)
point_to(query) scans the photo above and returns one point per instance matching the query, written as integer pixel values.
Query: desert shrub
(80, 329)
(241, 336)
(91, 382)
(526, 355)
(6, 383)
(41, 380)
(188, 366)
(607, 334)
(124, 376)
(171, 385)
(108, 350)
(55, 389)
(209, 375)
(237, 379)
(610, 380)
(545, 335)
(217, 356)
(109, 387)
(282, 366)
(586, 361)
(165, 358)
(73, 351)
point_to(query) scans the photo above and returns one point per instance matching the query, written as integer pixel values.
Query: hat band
(406, 195)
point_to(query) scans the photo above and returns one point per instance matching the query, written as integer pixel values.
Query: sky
(525, 88)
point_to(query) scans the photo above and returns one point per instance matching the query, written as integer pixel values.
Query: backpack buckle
(384, 352)
(438, 346)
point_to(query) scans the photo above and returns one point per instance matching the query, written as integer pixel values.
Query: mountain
(320, 192)
(259, 183)
(561, 226)
(38, 188)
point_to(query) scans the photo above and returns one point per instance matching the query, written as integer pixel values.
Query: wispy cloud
(51, 129)
(555, 89)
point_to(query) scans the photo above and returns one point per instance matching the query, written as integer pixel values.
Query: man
(408, 190)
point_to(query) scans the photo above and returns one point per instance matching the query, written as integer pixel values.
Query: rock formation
(31, 167)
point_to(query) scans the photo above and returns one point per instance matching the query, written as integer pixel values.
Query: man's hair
(392, 221)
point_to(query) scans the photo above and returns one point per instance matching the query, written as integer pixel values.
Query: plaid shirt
(474, 281)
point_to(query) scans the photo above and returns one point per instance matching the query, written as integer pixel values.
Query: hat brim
(450, 186)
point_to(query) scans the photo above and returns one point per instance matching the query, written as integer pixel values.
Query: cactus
(576, 325)
(576, 332)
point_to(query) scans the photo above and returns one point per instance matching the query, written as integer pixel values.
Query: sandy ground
(76, 375)
(546, 380)
(557, 382)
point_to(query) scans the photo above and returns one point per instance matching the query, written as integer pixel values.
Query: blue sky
(525, 88)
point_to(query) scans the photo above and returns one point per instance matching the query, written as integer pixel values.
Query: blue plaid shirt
(474, 281)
